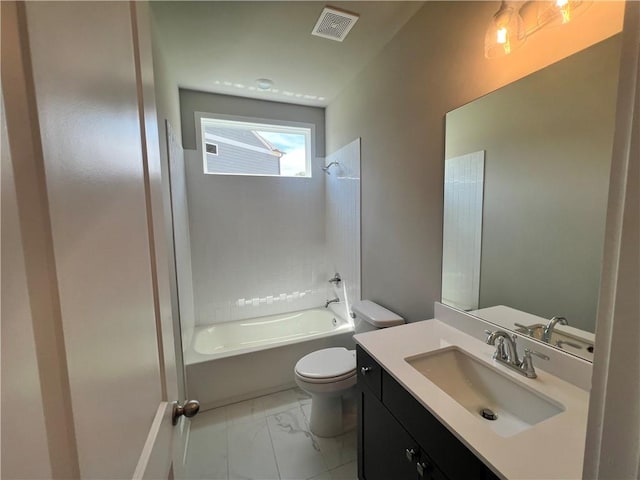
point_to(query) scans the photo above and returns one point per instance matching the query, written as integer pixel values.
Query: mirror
(526, 184)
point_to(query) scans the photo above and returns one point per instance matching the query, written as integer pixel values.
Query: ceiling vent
(334, 24)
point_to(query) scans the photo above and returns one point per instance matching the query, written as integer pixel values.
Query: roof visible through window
(257, 149)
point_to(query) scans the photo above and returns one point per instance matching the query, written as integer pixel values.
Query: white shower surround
(342, 211)
(257, 243)
(246, 264)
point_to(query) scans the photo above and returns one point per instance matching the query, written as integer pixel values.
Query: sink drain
(488, 414)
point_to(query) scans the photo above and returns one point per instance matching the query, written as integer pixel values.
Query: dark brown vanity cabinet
(399, 439)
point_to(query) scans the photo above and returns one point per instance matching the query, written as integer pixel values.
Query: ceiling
(224, 47)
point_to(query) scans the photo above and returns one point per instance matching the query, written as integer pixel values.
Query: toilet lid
(327, 363)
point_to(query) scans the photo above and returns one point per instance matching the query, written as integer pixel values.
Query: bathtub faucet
(329, 302)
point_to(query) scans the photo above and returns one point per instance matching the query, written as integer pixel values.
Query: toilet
(330, 374)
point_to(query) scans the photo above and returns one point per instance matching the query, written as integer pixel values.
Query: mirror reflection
(526, 184)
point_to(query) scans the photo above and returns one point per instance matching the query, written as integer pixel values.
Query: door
(77, 84)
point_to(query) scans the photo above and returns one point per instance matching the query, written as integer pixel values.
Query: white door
(77, 83)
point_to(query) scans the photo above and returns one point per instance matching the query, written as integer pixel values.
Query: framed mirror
(526, 185)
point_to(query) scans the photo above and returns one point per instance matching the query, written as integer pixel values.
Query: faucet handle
(529, 330)
(527, 363)
(528, 352)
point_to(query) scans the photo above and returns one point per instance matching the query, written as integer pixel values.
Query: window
(235, 147)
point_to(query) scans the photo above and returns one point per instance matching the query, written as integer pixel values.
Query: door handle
(189, 409)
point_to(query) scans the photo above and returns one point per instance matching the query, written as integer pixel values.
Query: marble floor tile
(337, 451)
(250, 451)
(247, 411)
(206, 456)
(303, 397)
(266, 438)
(323, 476)
(278, 402)
(345, 472)
(297, 453)
(306, 411)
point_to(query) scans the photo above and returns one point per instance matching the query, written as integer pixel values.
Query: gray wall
(254, 239)
(548, 141)
(397, 105)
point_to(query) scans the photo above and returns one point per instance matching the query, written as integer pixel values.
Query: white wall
(343, 223)
(397, 105)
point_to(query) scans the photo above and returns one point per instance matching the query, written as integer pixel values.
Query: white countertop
(552, 449)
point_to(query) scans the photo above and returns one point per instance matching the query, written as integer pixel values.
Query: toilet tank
(368, 315)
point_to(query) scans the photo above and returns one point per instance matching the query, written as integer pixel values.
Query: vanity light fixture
(506, 32)
(515, 21)
(559, 12)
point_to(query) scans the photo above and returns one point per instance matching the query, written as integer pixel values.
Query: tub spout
(329, 302)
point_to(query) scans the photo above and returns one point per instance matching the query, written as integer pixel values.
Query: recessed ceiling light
(264, 84)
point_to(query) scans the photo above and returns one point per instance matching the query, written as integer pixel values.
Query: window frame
(265, 124)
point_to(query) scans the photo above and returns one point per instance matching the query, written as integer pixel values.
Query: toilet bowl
(328, 375)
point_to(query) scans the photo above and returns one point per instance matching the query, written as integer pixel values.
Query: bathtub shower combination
(234, 361)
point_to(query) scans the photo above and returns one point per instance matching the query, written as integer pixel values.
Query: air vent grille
(212, 148)
(334, 24)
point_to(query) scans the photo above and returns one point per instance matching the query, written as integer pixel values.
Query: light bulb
(505, 32)
(565, 10)
(501, 35)
(560, 12)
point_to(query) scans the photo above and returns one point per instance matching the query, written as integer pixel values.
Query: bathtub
(233, 361)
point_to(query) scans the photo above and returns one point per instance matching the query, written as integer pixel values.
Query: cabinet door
(446, 451)
(385, 444)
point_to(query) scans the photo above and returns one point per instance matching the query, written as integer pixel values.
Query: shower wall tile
(258, 243)
(182, 241)
(462, 230)
(342, 201)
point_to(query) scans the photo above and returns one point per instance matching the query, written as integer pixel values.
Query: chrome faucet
(506, 350)
(548, 330)
(329, 302)
(336, 279)
(507, 353)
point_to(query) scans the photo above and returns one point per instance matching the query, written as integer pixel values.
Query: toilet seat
(328, 365)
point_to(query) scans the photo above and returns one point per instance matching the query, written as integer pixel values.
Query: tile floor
(267, 438)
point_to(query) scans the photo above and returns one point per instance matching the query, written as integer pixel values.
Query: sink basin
(477, 385)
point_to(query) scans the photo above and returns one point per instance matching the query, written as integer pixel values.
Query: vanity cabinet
(399, 439)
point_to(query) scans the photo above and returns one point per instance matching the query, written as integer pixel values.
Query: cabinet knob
(366, 370)
(410, 454)
(422, 468)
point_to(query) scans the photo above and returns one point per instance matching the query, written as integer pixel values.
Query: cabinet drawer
(451, 455)
(369, 372)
